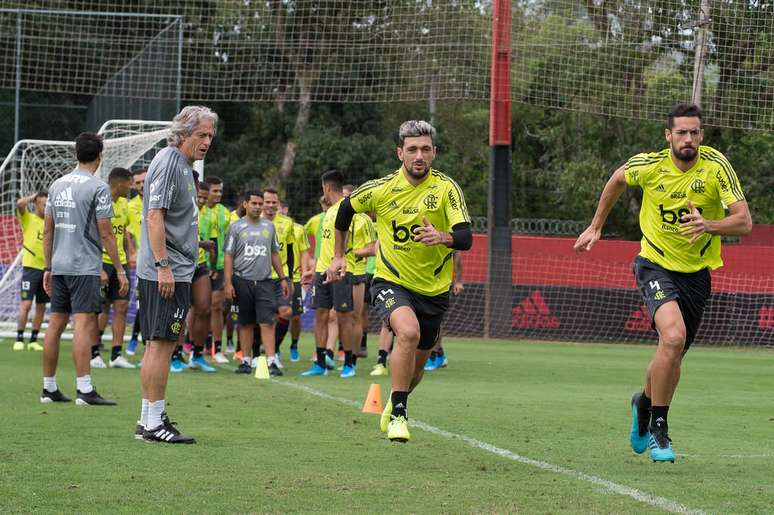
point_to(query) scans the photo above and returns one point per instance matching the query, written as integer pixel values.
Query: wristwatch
(162, 263)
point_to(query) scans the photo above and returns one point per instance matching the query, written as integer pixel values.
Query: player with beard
(421, 218)
(685, 188)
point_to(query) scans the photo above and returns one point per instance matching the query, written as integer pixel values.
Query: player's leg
(268, 303)
(385, 342)
(364, 322)
(350, 296)
(37, 323)
(21, 322)
(56, 325)
(322, 302)
(118, 327)
(229, 327)
(403, 362)
(295, 322)
(332, 340)
(284, 314)
(245, 303)
(216, 313)
(201, 316)
(246, 347)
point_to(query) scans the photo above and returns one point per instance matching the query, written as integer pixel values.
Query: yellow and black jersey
(32, 239)
(399, 208)
(120, 223)
(284, 226)
(710, 184)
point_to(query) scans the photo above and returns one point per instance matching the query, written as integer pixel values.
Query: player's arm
(737, 223)
(457, 284)
(157, 239)
(48, 245)
(610, 194)
(228, 270)
(108, 240)
(276, 263)
(131, 252)
(22, 203)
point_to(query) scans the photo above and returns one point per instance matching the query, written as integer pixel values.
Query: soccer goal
(32, 165)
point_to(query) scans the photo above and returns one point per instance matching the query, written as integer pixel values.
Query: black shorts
(199, 271)
(360, 279)
(32, 286)
(367, 291)
(255, 300)
(336, 295)
(110, 290)
(387, 297)
(76, 294)
(163, 319)
(217, 283)
(659, 285)
(281, 299)
(297, 303)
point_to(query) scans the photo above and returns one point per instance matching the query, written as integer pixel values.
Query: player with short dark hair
(686, 189)
(421, 218)
(119, 181)
(167, 261)
(252, 251)
(33, 264)
(76, 228)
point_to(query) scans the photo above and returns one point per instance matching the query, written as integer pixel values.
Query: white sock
(83, 384)
(155, 410)
(144, 412)
(49, 384)
(246, 360)
(270, 360)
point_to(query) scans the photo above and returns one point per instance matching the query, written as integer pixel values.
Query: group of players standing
(197, 262)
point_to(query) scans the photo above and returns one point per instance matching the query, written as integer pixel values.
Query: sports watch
(162, 263)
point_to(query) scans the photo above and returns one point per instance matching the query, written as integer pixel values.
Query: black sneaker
(92, 399)
(243, 368)
(166, 433)
(47, 397)
(138, 431)
(274, 370)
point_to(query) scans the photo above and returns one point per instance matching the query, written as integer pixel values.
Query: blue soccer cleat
(430, 364)
(200, 363)
(660, 446)
(316, 370)
(131, 347)
(294, 354)
(347, 372)
(330, 364)
(441, 361)
(639, 434)
(177, 366)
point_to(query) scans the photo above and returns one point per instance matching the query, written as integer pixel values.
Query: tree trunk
(306, 81)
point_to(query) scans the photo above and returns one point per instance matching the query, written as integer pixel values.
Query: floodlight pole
(17, 99)
(498, 306)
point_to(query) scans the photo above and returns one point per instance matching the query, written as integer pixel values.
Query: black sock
(136, 328)
(256, 347)
(658, 417)
(280, 331)
(347, 358)
(399, 402)
(440, 351)
(364, 341)
(94, 351)
(382, 357)
(209, 340)
(341, 347)
(294, 343)
(101, 346)
(329, 353)
(433, 355)
(178, 354)
(218, 346)
(34, 335)
(115, 352)
(20, 336)
(198, 350)
(643, 403)
(321, 352)
(354, 359)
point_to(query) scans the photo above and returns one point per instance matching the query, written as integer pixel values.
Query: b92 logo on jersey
(401, 233)
(673, 217)
(255, 250)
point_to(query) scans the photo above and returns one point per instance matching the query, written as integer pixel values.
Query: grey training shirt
(169, 185)
(251, 244)
(75, 202)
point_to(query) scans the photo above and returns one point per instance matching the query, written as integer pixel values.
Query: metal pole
(17, 100)
(700, 52)
(179, 63)
(433, 95)
(499, 301)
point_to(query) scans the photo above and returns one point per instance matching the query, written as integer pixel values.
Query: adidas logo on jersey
(638, 321)
(534, 313)
(660, 188)
(65, 199)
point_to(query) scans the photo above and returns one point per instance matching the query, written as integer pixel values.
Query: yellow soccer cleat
(385, 420)
(34, 346)
(398, 430)
(18, 346)
(380, 370)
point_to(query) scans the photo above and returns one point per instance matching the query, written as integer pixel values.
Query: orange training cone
(373, 402)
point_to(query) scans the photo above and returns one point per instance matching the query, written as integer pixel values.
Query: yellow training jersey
(666, 190)
(234, 217)
(300, 244)
(399, 208)
(284, 227)
(325, 243)
(312, 229)
(135, 220)
(32, 239)
(120, 221)
(204, 256)
(361, 233)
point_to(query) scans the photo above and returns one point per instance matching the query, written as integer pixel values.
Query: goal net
(32, 165)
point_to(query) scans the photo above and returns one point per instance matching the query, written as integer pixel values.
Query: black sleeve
(345, 215)
(462, 236)
(291, 264)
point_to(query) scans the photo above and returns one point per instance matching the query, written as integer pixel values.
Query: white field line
(638, 495)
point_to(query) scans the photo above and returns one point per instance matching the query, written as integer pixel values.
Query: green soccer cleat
(384, 422)
(35, 346)
(397, 430)
(18, 346)
(380, 370)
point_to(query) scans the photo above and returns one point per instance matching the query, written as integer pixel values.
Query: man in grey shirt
(251, 250)
(165, 266)
(76, 227)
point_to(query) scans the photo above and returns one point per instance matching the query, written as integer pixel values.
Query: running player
(119, 181)
(33, 263)
(438, 357)
(78, 214)
(252, 251)
(284, 227)
(135, 230)
(215, 221)
(167, 261)
(420, 216)
(686, 188)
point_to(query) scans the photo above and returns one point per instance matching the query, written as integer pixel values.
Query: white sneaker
(278, 362)
(254, 363)
(98, 363)
(221, 358)
(121, 362)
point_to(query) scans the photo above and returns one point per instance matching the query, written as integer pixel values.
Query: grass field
(508, 427)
